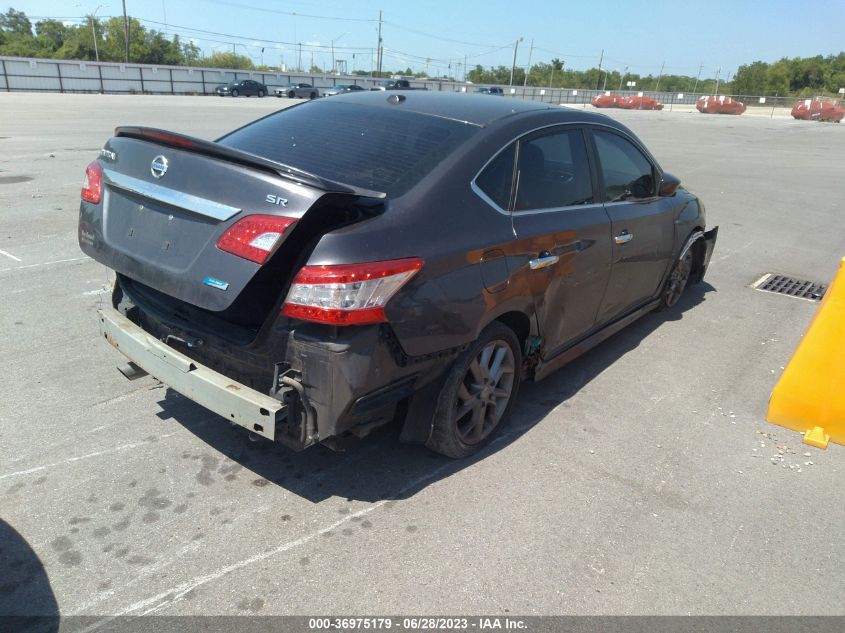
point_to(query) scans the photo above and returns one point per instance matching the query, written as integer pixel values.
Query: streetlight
(622, 78)
(334, 69)
(91, 19)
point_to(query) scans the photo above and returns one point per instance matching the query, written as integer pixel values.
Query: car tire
(478, 393)
(260, 94)
(313, 95)
(291, 94)
(678, 279)
(235, 93)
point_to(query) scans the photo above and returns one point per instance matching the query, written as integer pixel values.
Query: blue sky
(436, 33)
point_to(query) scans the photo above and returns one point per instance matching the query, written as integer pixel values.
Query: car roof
(469, 108)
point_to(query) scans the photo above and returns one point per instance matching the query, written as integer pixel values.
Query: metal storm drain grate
(790, 287)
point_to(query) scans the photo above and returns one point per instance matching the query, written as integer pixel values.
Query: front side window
(626, 172)
(553, 172)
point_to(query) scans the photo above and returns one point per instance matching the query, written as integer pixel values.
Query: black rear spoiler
(230, 154)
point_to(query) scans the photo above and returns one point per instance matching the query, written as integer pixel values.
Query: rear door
(642, 223)
(564, 231)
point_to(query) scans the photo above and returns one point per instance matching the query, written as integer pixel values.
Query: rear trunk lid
(167, 200)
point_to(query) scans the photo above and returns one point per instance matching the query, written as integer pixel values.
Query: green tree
(220, 59)
(778, 78)
(51, 33)
(15, 23)
(751, 79)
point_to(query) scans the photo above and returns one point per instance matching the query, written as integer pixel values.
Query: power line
(290, 13)
(438, 37)
(201, 34)
(188, 29)
(566, 55)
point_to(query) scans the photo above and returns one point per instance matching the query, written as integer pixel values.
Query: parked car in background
(245, 87)
(342, 88)
(298, 91)
(395, 84)
(293, 277)
(492, 90)
(606, 101)
(719, 104)
(639, 103)
(818, 110)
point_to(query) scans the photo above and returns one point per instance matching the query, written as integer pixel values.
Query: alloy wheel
(485, 392)
(678, 279)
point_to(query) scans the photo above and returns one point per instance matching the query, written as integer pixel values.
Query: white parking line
(17, 259)
(70, 460)
(178, 592)
(58, 261)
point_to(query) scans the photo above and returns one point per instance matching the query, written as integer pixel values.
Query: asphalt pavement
(640, 479)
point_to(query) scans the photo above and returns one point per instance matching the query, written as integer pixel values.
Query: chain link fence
(65, 76)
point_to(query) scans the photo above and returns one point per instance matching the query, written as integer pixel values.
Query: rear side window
(626, 172)
(372, 147)
(553, 172)
(497, 178)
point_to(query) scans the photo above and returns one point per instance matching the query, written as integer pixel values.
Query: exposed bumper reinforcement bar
(251, 409)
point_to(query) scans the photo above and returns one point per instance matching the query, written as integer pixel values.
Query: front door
(642, 224)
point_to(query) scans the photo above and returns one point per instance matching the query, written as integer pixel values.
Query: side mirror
(668, 185)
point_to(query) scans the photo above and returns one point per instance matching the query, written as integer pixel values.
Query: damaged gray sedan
(408, 257)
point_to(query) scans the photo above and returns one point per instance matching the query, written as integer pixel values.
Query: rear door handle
(544, 261)
(624, 237)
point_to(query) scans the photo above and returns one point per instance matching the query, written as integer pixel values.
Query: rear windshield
(375, 148)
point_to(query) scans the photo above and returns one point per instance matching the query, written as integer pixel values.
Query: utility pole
(334, 67)
(299, 65)
(378, 50)
(695, 87)
(528, 68)
(513, 65)
(465, 68)
(598, 78)
(660, 76)
(718, 70)
(622, 78)
(126, 30)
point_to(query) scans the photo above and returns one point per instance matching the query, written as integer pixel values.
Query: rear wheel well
(519, 323)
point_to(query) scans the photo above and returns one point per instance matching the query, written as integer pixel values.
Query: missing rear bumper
(258, 412)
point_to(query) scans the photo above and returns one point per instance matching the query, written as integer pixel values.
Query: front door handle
(544, 261)
(624, 237)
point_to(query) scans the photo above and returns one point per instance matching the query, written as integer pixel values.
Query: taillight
(255, 237)
(92, 186)
(347, 294)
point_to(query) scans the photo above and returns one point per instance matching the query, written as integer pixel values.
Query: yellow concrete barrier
(810, 395)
